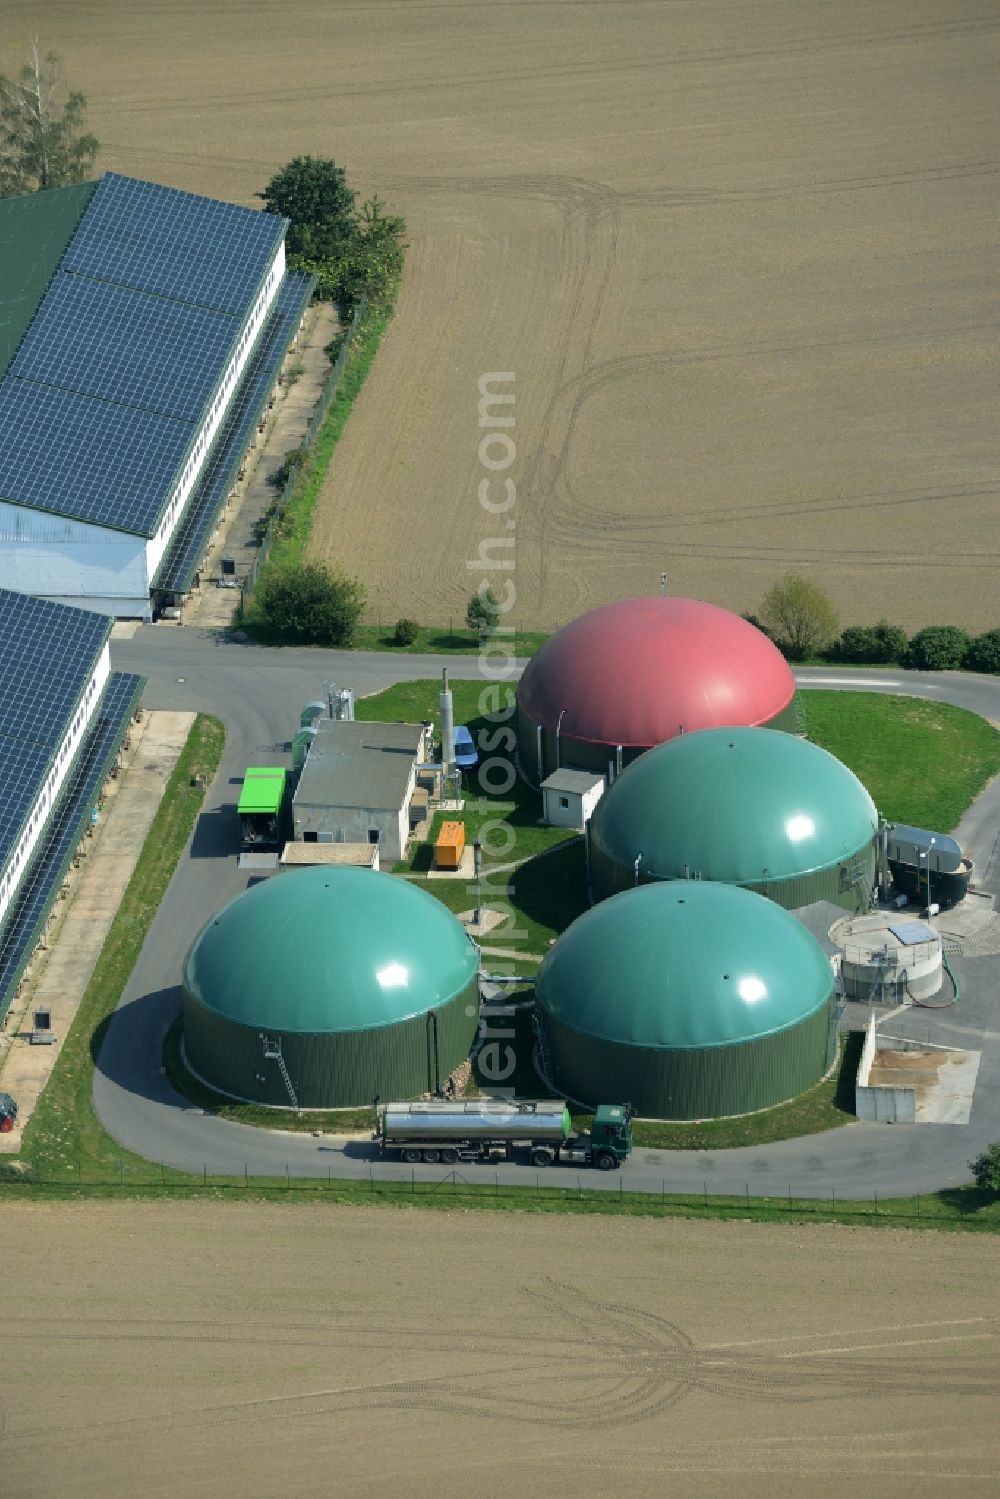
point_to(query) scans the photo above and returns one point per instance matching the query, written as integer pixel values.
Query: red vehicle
(8, 1113)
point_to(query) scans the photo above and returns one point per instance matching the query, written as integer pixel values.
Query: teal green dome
(684, 966)
(336, 950)
(745, 806)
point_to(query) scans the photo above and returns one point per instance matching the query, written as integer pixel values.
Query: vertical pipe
(562, 712)
(447, 724)
(618, 759)
(540, 753)
(432, 1021)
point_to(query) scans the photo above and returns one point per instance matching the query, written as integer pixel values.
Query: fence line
(322, 407)
(454, 1187)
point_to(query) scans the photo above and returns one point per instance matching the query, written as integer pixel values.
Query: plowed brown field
(224, 1349)
(741, 259)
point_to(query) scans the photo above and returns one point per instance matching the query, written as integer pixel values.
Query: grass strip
(923, 763)
(292, 534)
(64, 1131)
(954, 1209)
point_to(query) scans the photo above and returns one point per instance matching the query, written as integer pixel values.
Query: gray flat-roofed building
(357, 783)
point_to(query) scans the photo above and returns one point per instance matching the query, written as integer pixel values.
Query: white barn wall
(71, 562)
(83, 714)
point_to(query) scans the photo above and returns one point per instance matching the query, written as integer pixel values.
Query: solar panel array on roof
(110, 465)
(117, 370)
(177, 569)
(48, 654)
(174, 243)
(109, 342)
(65, 828)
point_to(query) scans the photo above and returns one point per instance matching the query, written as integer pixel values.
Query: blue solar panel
(49, 652)
(64, 829)
(110, 465)
(126, 346)
(177, 569)
(177, 244)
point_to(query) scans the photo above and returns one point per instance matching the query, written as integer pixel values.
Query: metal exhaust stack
(447, 724)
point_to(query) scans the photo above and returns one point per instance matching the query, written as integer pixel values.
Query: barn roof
(144, 303)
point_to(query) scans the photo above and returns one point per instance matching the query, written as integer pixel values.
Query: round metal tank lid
(640, 671)
(684, 965)
(329, 950)
(739, 804)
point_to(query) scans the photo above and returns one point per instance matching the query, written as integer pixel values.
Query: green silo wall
(332, 1070)
(584, 754)
(711, 1083)
(847, 883)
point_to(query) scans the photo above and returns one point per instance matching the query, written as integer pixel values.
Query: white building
(141, 331)
(569, 798)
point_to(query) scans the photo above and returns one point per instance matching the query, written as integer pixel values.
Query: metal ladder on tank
(272, 1053)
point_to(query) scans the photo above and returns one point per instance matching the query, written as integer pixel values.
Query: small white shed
(569, 798)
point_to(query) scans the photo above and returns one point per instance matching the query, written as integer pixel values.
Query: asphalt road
(258, 693)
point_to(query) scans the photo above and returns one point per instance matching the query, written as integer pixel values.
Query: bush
(406, 632)
(938, 648)
(986, 1167)
(483, 612)
(984, 652)
(798, 617)
(309, 604)
(872, 643)
(757, 622)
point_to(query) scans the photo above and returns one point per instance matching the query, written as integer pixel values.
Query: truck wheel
(605, 1161)
(412, 1156)
(432, 1155)
(449, 1156)
(541, 1158)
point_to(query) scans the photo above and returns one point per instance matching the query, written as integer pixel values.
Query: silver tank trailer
(476, 1119)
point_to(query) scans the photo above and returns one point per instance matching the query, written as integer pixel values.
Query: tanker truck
(484, 1129)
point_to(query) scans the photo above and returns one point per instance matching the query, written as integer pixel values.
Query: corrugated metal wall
(707, 1084)
(848, 883)
(330, 1071)
(582, 755)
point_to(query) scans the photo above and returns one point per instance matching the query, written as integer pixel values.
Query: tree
(42, 143)
(798, 616)
(313, 193)
(483, 612)
(872, 643)
(309, 604)
(984, 652)
(375, 261)
(986, 1169)
(938, 648)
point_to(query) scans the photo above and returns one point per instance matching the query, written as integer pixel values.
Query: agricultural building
(689, 1001)
(750, 807)
(63, 717)
(325, 987)
(141, 332)
(630, 675)
(357, 784)
(570, 796)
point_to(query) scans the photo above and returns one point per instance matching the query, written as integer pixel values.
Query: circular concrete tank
(887, 957)
(689, 1001)
(352, 983)
(629, 675)
(748, 807)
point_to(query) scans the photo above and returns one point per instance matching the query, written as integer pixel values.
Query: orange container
(450, 845)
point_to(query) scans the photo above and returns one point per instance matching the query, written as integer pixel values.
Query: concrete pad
(944, 1081)
(465, 871)
(61, 972)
